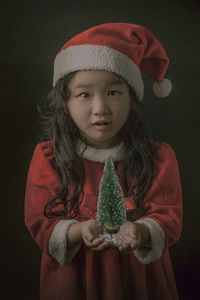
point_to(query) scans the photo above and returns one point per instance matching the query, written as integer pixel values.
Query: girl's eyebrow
(109, 83)
(115, 82)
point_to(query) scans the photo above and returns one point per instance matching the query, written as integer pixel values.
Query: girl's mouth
(101, 125)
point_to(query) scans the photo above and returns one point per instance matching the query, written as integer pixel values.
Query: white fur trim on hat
(162, 89)
(146, 256)
(91, 57)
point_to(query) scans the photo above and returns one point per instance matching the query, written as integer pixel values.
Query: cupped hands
(128, 238)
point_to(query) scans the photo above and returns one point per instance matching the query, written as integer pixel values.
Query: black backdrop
(31, 34)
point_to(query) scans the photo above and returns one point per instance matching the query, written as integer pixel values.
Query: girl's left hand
(129, 237)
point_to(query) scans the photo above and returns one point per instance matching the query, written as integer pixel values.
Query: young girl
(93, 112)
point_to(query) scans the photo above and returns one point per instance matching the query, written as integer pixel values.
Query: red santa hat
(122, 48)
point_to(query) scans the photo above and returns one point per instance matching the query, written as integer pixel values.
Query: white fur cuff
(147, 256)
(58, 242)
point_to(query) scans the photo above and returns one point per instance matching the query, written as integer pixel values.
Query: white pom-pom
(162, 89)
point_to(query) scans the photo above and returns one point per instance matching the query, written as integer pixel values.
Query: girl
(93, 111)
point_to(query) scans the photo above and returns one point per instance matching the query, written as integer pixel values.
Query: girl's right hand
(90, 232)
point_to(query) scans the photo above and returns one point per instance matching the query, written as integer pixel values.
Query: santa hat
(122, 48)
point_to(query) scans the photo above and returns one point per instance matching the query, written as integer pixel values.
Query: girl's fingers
(102, 246)
(86, 242)
(128, 246)
(94, 243)
(128, 243)
(97, 241)
(89, 237)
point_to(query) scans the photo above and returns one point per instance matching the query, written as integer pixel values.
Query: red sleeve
(163, 202)
(42, 183)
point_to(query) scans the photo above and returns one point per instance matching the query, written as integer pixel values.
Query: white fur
(162, 89)
(100, 155)
(58, 242)
(146, 256)
(91, 57)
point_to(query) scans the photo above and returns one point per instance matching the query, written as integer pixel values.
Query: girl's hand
(90, 232)
(131, 236)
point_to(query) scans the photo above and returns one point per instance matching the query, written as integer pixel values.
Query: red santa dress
(82, 274)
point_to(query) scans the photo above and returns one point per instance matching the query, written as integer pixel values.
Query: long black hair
(58, 126)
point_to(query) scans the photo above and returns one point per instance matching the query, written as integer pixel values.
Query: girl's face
(99, 104)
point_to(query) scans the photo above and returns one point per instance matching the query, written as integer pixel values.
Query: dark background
(31, 33)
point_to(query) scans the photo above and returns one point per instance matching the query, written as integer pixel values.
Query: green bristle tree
(111, 211)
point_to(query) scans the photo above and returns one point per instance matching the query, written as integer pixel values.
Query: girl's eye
(84, 95)
(113, 93)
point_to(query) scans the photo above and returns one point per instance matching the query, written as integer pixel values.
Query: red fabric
(105, 275)
(134, 41)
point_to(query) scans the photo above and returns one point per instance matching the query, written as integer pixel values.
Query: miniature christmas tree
(111, 212)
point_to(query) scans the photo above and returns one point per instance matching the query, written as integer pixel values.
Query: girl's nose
(100, 106)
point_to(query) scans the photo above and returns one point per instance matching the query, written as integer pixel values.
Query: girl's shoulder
(43, 169)
(44, 151)
(46, 147)
(161, 147)
(164, 154)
